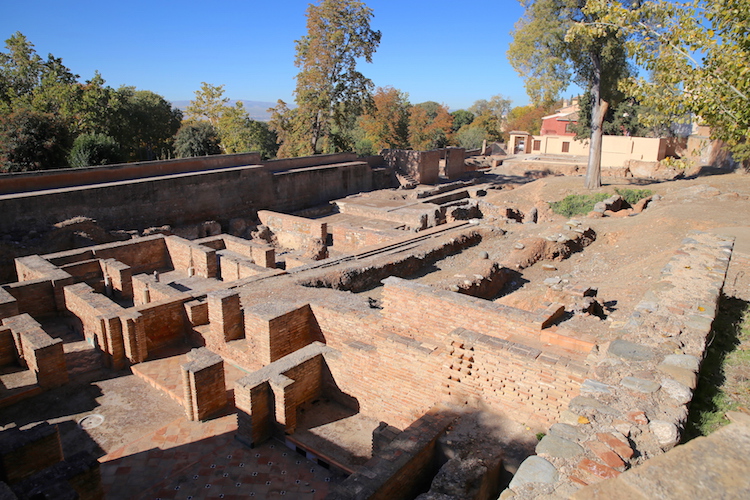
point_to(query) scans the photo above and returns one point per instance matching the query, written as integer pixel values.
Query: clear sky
(449, 51)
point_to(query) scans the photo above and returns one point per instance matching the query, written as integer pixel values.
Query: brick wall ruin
(306, 331)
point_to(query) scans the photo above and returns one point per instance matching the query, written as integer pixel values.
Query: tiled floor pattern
(185, 460)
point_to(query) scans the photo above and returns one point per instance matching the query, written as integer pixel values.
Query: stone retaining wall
(635, 404)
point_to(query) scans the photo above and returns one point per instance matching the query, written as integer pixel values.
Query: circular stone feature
(91, 421)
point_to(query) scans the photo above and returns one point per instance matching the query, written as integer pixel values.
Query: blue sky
(448, 51)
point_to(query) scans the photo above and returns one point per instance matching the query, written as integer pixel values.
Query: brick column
(255, 411)
(225, 315)
(203, 383)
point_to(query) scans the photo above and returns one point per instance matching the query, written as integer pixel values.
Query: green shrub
(633, 196)
(94, 149)
(576, 204)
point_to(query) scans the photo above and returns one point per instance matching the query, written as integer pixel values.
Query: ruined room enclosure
(348, 331)
(145, 302)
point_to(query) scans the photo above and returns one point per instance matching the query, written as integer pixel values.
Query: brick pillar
(115, 341)
(41, 353)
(264, 256)
(225, 315)
(255, 411)
(134, 337)
(203, 384)
(50, 364)
(286, 403)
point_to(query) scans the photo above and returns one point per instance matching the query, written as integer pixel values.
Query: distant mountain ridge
(258, 110)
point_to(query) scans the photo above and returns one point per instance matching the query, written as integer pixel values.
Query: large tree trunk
(598, 111)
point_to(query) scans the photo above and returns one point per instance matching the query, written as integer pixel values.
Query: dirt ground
(629, 252)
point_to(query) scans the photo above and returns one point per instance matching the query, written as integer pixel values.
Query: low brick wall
(143, 255)
(292, 231)
(8, 304)
(101, 322)
(23, 453)
(37, 297)
(145, 287)
(435, 313)
(415, 217)
(163, 322)
(422, 166)
(191, 258)
(277, 329)
(270, 396)
(120, 276)
(348, 238)
(41, 353)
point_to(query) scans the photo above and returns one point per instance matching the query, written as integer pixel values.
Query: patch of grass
(633, 196)
(724, 379)
(576, 204)
(540, 435)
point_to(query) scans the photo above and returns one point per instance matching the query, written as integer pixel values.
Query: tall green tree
(330, 90)
(461, 117)
(209, 104)
(559, 41)
(696, 54)
(196, 138)
(30, 140)
(239, 133)
(146, 123)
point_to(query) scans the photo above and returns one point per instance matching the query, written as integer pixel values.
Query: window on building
(566, 147)
(536, 146)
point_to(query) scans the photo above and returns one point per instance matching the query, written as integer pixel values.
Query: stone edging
(636, 403)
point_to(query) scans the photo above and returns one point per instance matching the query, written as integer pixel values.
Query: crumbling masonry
(279, 285)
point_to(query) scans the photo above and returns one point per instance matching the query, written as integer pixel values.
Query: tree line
(51, 119)
(643, 64)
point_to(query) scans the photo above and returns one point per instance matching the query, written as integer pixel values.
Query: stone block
(558, 447)
(630, 350)
(640, 385)
(534, 470)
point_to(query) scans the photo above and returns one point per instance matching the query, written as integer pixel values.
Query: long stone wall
(193, 196)
(21, 182)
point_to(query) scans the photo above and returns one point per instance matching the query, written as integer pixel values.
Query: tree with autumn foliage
(330, 89)
(386, 124)
(430, 126)
(528, 118)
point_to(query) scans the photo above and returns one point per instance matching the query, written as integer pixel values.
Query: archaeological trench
(346, 328)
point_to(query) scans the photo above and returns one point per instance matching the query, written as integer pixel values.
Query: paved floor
(197, 460)
(190, 460)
